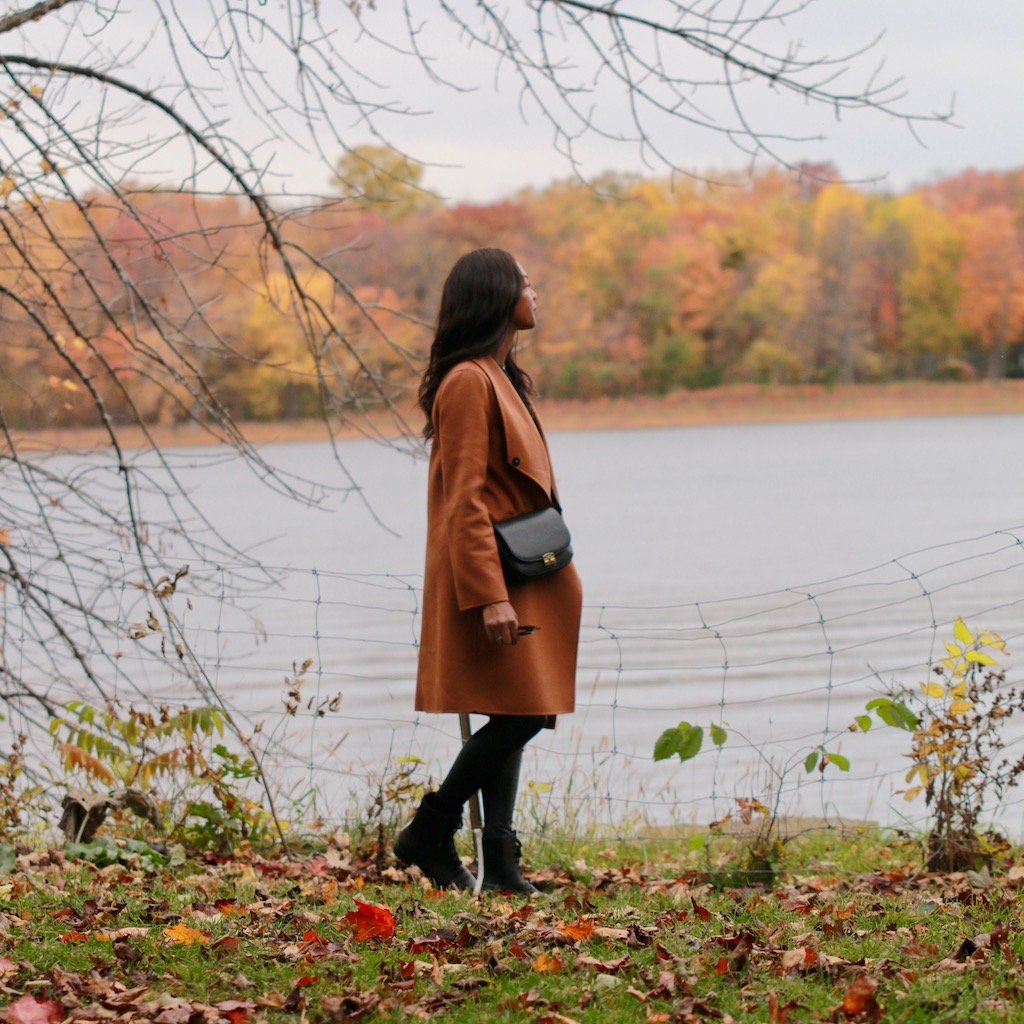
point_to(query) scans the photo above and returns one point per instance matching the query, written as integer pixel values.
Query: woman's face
(524, 317)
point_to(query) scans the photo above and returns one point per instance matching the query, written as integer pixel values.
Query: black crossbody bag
(533, 545)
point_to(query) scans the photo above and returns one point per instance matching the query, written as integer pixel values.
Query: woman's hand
(501, 622)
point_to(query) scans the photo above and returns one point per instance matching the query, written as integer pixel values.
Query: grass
(851, 931)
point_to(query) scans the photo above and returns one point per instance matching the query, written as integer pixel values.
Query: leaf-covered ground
(333, 938)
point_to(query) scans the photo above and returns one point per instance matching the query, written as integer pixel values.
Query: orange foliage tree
(991, 282)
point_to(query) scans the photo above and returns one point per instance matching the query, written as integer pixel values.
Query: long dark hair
(477, 305)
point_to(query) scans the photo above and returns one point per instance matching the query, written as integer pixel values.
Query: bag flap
(532, 535)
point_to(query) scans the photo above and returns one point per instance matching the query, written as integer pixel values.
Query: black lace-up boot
(428, 842)
(501, 864)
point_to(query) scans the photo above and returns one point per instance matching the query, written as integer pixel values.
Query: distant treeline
(644, 287)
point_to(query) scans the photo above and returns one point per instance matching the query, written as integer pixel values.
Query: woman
(488, 462)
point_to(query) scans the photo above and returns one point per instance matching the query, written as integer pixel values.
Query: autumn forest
(645, 286)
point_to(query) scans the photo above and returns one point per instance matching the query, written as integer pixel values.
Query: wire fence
(783, 672)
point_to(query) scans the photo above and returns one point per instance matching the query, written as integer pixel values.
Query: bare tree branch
(16, 19)
(122, 310)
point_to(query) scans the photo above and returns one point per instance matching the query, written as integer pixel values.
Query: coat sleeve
(465, 413)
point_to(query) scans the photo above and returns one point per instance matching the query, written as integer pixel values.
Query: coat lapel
(526, 449)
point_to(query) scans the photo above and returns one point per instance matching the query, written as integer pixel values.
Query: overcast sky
(482, 143)
(970, 54)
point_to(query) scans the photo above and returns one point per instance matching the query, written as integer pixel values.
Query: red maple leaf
(370, 920)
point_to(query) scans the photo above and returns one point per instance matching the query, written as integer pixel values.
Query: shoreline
(729, 404)
(753, 403)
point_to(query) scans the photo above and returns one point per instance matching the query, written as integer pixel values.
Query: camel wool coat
(489, 461)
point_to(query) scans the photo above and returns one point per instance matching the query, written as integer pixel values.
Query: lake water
(772, 578)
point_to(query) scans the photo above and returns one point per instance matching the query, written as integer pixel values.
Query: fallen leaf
(296, 1001)
(966, 950)
(544, 964)
(702, 912)
(741, 946)
(7, 967)
(328, 891)
(434, 941)
(798, 959)
(126, 953)
(226, 906)
(780, 1014)
(580, 930)
(121, 933)
(350, 1006)
(799, 906)
(370, 920)
(182, 935)
(994, 939)
(176, 1015)
(604, 966)
(859, 1001)
(29, 1010)
(666, 984)
(235, 1010)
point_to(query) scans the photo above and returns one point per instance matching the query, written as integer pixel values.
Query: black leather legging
(490, 762)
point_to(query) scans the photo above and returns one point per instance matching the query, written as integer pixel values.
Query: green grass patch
(851, 930)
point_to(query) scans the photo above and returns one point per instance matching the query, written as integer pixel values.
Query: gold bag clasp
(549, 558)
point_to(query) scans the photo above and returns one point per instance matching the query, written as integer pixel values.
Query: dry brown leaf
(182, 935)
(604, 966)
(579, 930)
(780, 1014)
(544, 964)
(859, 1001)
(702, 912)
(121, 933)
(798, 959)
